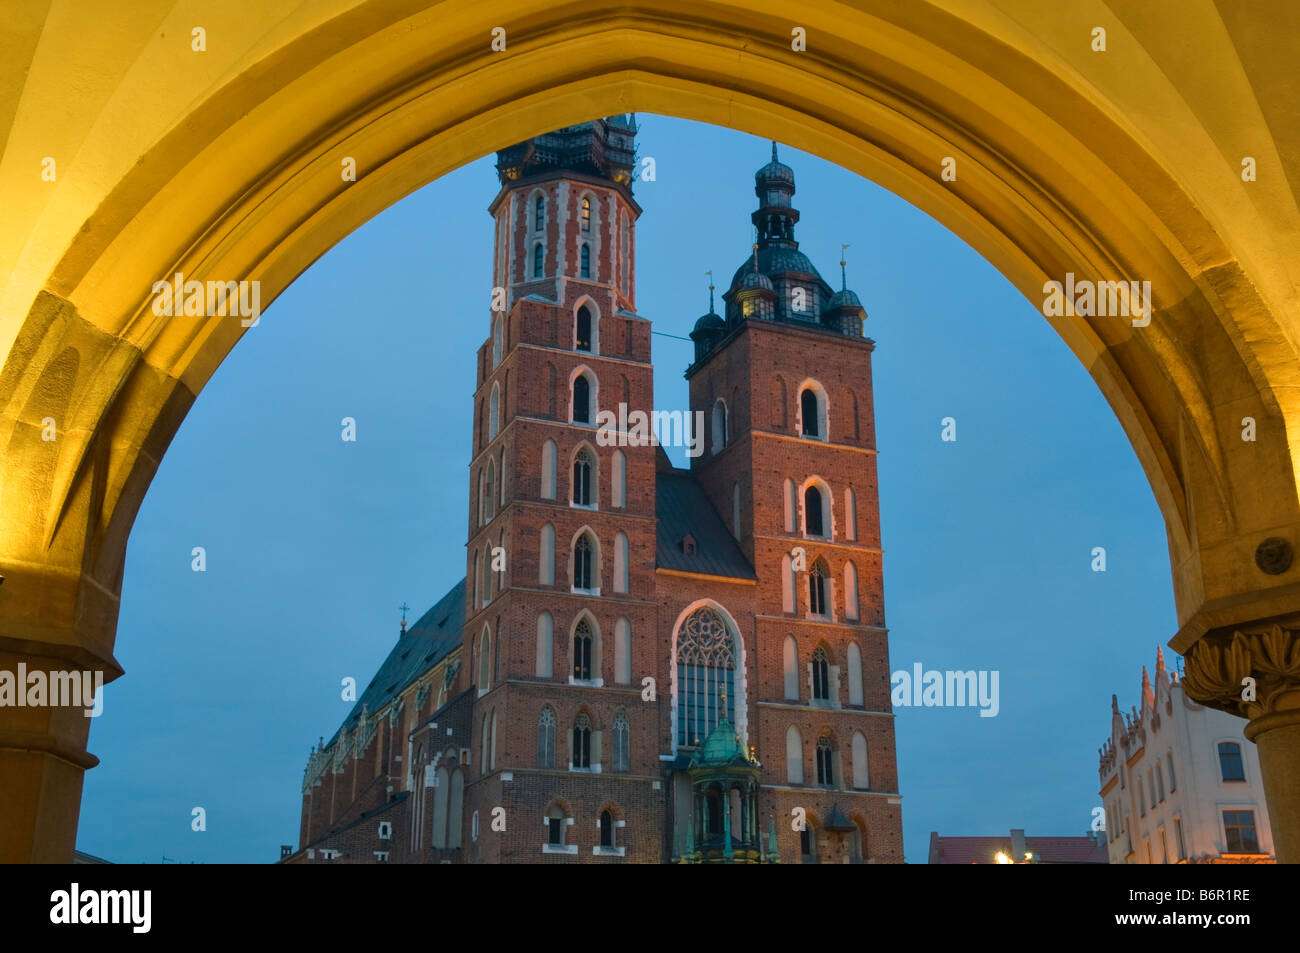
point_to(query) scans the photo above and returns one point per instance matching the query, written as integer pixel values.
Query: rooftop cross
(710, 274)
(844, 279)
(404, 607)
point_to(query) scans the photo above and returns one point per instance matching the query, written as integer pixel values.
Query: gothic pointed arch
(708, 674)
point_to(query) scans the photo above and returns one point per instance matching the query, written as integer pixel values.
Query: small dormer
(688, 544)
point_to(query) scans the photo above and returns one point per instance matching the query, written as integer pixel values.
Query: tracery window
(582, 645)
(821, 675)
(582, 742)
(706, 671)
(825, 767)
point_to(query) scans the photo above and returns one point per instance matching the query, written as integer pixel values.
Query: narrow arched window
(546, 556)
(808, 411)
(719, 425)
(622, 652)
(582, 330)
(582, 651)
(586, 261)
(581, 400)
(545, 646)
(855, 674)
(583, 467)
(539, 260)
(582, 742)
(861, 779)
(850, 592)
(618, 480)
(787, 584)
(817, 601)
(620, 563)
(539, 213)
(583, 559)
(793, 756)
(497, 344)
(821, 675)
(622, 755)
(485, 660)
(548, 470)
(494, 412)
(825, 763)
(546, 739)
(813, 523)
(586, 215)
(790, 668)
(489, 494)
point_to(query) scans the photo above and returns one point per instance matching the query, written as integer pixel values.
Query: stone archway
(227, 164)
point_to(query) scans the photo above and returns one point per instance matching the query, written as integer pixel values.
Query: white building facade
(1180, 783)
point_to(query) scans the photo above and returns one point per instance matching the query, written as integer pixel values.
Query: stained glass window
(706, 670)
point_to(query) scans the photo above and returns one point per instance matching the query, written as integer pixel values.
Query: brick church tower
(643, 663)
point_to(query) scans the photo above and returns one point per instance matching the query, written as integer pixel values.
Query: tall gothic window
(813, 522)
(582, 742)
(584, 558)
(586, 261)
(817, 602)
(539, 259)
(581, 400)
(586, 216)
(539, 213)
(582, 335)
(706, 670)
(582, 646)
(821, 675)
(607, 830)
(825, 767)
(583, 466)
(546, 739)
(621, 746)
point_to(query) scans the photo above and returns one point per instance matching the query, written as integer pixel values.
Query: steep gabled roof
(431, 639)
(683, 508)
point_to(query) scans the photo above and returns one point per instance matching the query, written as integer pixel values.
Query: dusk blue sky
(312, 543)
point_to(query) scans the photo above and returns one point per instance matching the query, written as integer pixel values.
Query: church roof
(433, 637)
(683, 509)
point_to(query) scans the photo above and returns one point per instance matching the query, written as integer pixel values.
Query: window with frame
(607, 830)
(1231, 767)
(1239, 831)
(581, 400)
(585, 256)
(817, 601)
(706, 672)
(810, 412)
(582, 651)
(555, 825)
(622, 734)
(582, 741)
(821, 675)
(583, 557)
(546, 738)
(825, 762)
(539, 214)
(584, 468)
(586, 215)
(582, 329)
(814, 523)
(539, 260)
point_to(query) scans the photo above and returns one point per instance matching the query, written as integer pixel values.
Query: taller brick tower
(560, 564)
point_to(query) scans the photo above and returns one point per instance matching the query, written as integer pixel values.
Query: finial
(1160, 658)
(773, 150)
(844, 278)
(404, 607)
(710, 274)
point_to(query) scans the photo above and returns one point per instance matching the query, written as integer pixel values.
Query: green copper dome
(722, 747)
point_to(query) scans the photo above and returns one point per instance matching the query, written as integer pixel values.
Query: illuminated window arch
(813, 416)
(707, 660)
(586, 215)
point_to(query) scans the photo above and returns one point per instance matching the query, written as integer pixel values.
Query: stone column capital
(1252, 672)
